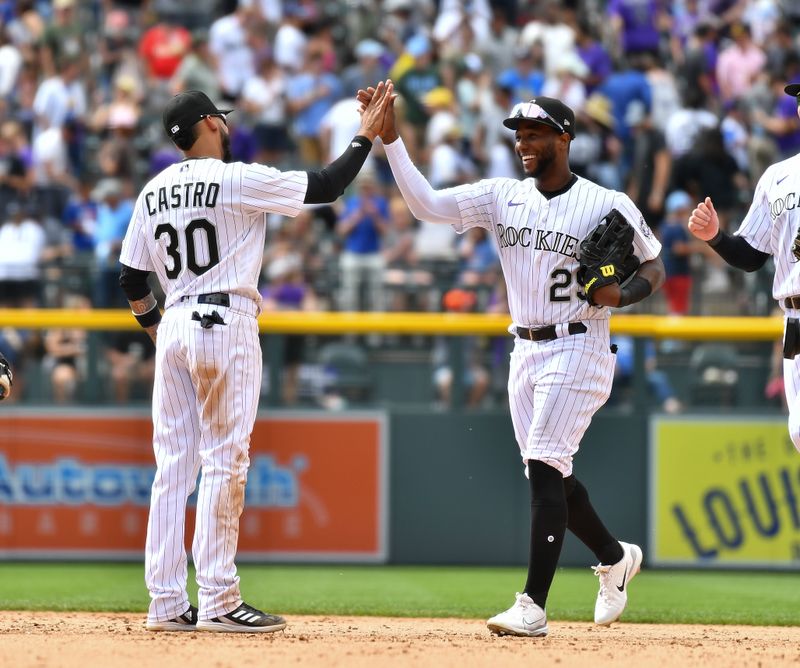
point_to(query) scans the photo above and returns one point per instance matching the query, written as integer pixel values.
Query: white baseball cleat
(524, 618)
(614, 579)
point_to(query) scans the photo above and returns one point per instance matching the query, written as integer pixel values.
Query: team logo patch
(796, 246)
(644, 227)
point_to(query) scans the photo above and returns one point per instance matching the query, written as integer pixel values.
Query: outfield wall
(411, 486)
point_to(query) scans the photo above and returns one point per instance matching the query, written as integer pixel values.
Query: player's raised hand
(374, 111)
(389, 130)
(704, 222)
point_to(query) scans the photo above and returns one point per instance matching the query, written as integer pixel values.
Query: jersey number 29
(197, 225)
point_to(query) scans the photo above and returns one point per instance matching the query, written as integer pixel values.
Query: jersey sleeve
(476, 204)
(266, 189)
(756, 228)
(135, 251)
(645, 245)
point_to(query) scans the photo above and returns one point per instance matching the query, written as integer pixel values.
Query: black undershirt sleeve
(134, 283)
(329, 183)
(737, 252)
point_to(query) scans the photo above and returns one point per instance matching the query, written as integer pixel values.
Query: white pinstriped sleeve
(432, 206)
(645, 245)
(266, 189)
(135, 251)
(756, 228)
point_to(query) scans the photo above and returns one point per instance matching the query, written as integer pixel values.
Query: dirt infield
(66, 640)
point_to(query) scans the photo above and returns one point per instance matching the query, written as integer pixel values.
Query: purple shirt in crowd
(788, 144)
(639, 23)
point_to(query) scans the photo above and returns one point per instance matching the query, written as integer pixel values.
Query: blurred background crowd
(675, 100)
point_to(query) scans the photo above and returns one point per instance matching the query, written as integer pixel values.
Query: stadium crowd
(675, 100)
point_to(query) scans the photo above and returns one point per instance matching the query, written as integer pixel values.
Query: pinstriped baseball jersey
(199, 225)
(538, 241)
(773, 223)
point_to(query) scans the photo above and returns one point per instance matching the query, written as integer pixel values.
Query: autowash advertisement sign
(78, 485)
(724, 493)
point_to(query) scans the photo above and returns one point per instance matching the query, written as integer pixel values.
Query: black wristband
(152, 317)
(714, 241)
(637, 289)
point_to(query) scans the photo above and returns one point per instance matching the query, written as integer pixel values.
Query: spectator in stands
(739, 64)
(131, 363)
(459, 24)
(310, 94)
(595, 151)
(290, 40)
(16, 177)
(65, 354)
(412, 86)
(594, 55)
(362, 224)
(287, 290)
(368, 67)
(114, 212)
(23, 249)
(264, 99)
(497, 48)
(526, 77)
(651, 169)
(658, 382)
(406, 281)
(64, 37)
(676, 249)
(197, 70)
(162, 47)
(228, 43)
(479, 260)
(635, 26)
(10, 65)
(550, 29)
(60, 98)
(782, 124)
(627, 89)
(475, 376)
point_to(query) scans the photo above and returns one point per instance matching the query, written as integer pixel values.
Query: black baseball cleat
(245, 619)
(185, 622)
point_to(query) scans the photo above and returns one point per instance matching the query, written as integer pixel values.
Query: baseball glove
(606, 255)
(5, 378)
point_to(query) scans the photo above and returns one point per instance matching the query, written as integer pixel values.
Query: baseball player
(6, 378)
(561, 367)
(200, 226)
(771, 227)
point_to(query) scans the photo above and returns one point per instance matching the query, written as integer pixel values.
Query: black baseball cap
(545, 110)
(792, 89)
(186, 109)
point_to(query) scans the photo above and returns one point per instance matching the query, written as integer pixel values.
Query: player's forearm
(329, 183)
(423, 201)
(649, 278)
(737, 252)
(142, 301)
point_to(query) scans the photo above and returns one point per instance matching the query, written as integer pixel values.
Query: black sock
(586, 525)
(548, 525)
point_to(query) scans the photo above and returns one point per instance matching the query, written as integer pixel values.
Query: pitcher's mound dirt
(81, 640)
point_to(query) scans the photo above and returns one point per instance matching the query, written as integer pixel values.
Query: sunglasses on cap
(532, 111)
(222, 116)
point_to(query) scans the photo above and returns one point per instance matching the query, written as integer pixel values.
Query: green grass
(655, 596)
